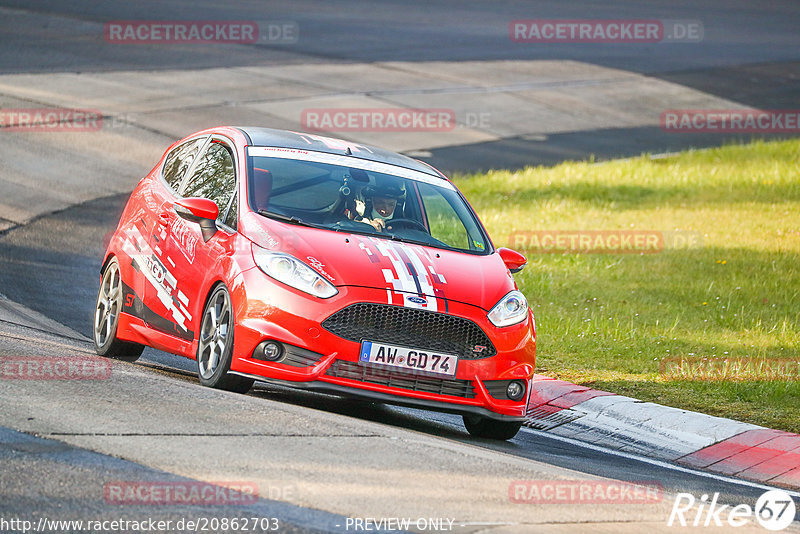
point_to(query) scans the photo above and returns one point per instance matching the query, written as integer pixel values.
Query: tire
(484, 427)
(106, 318)
(215, 345)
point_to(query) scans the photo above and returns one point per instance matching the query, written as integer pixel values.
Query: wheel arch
(109, 256)
(212, 286)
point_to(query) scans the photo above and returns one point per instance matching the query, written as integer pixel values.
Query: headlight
(512, 309)
(293, 272)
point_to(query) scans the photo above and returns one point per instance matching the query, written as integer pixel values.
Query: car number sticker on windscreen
(422, 361)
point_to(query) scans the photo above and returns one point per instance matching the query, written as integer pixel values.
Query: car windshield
(344, 193)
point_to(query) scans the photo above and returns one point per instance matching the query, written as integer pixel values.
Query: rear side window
(214, 178)
(179, 161)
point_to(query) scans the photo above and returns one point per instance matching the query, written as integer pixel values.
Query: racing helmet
(386, 186)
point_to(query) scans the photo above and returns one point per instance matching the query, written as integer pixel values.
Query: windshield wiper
(393, 236)
(286, 218)
(435, 243)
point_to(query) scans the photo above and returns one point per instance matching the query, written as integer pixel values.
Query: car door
(150, 232)
(187, 259)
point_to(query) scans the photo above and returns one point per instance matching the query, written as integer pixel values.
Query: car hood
(412, 275)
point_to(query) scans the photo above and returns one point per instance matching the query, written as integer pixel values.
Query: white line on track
(658, 463)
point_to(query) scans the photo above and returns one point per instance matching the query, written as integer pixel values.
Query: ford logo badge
(417, 300)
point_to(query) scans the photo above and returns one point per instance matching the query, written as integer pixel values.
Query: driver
(381, 201)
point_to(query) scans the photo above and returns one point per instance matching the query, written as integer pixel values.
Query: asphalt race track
(317, 459)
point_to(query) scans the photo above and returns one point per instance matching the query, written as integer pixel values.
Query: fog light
(269, 351)
(515, 390)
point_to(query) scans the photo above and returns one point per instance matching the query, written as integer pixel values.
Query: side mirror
(513, 259)
(201, 211)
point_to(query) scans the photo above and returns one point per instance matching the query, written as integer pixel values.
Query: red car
(322, 264)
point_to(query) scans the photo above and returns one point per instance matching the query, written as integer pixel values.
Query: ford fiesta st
(322, 264)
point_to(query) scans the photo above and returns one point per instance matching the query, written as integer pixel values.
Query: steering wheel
(406, 222)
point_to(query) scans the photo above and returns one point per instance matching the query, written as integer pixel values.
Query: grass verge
(725, 285)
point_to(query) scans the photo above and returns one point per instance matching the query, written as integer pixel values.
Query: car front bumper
(323, 361)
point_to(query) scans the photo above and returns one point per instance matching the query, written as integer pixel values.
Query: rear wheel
(106, 318)
(215, 347)
(484, 427)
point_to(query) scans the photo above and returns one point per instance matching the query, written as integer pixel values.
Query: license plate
(422, 361)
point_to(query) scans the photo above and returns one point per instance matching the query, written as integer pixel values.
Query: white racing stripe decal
(400, 276)
(407, 275)
(437, 275)
(183, 298)
(157, 274)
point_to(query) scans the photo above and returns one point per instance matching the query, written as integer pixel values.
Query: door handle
(163, 219)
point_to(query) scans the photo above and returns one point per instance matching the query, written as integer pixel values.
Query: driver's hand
(378, 224)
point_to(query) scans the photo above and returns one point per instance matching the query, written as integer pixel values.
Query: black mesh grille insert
(497, 388)
(410, 327)
(297, 357)
(373, 375)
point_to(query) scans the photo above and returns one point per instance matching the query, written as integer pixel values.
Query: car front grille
(384, 377)
(411, 327)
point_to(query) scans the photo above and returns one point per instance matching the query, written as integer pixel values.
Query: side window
(214, 178)
(446, 224)
(230, 219)
(179, 161)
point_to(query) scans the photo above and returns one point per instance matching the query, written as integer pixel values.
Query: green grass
(608, 320)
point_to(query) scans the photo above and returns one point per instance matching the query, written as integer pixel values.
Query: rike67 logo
(774, 510)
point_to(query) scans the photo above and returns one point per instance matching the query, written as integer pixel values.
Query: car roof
(271, 137)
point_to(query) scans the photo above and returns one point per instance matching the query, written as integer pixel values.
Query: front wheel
(215, 347)
(106, 318)
(484, 427)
